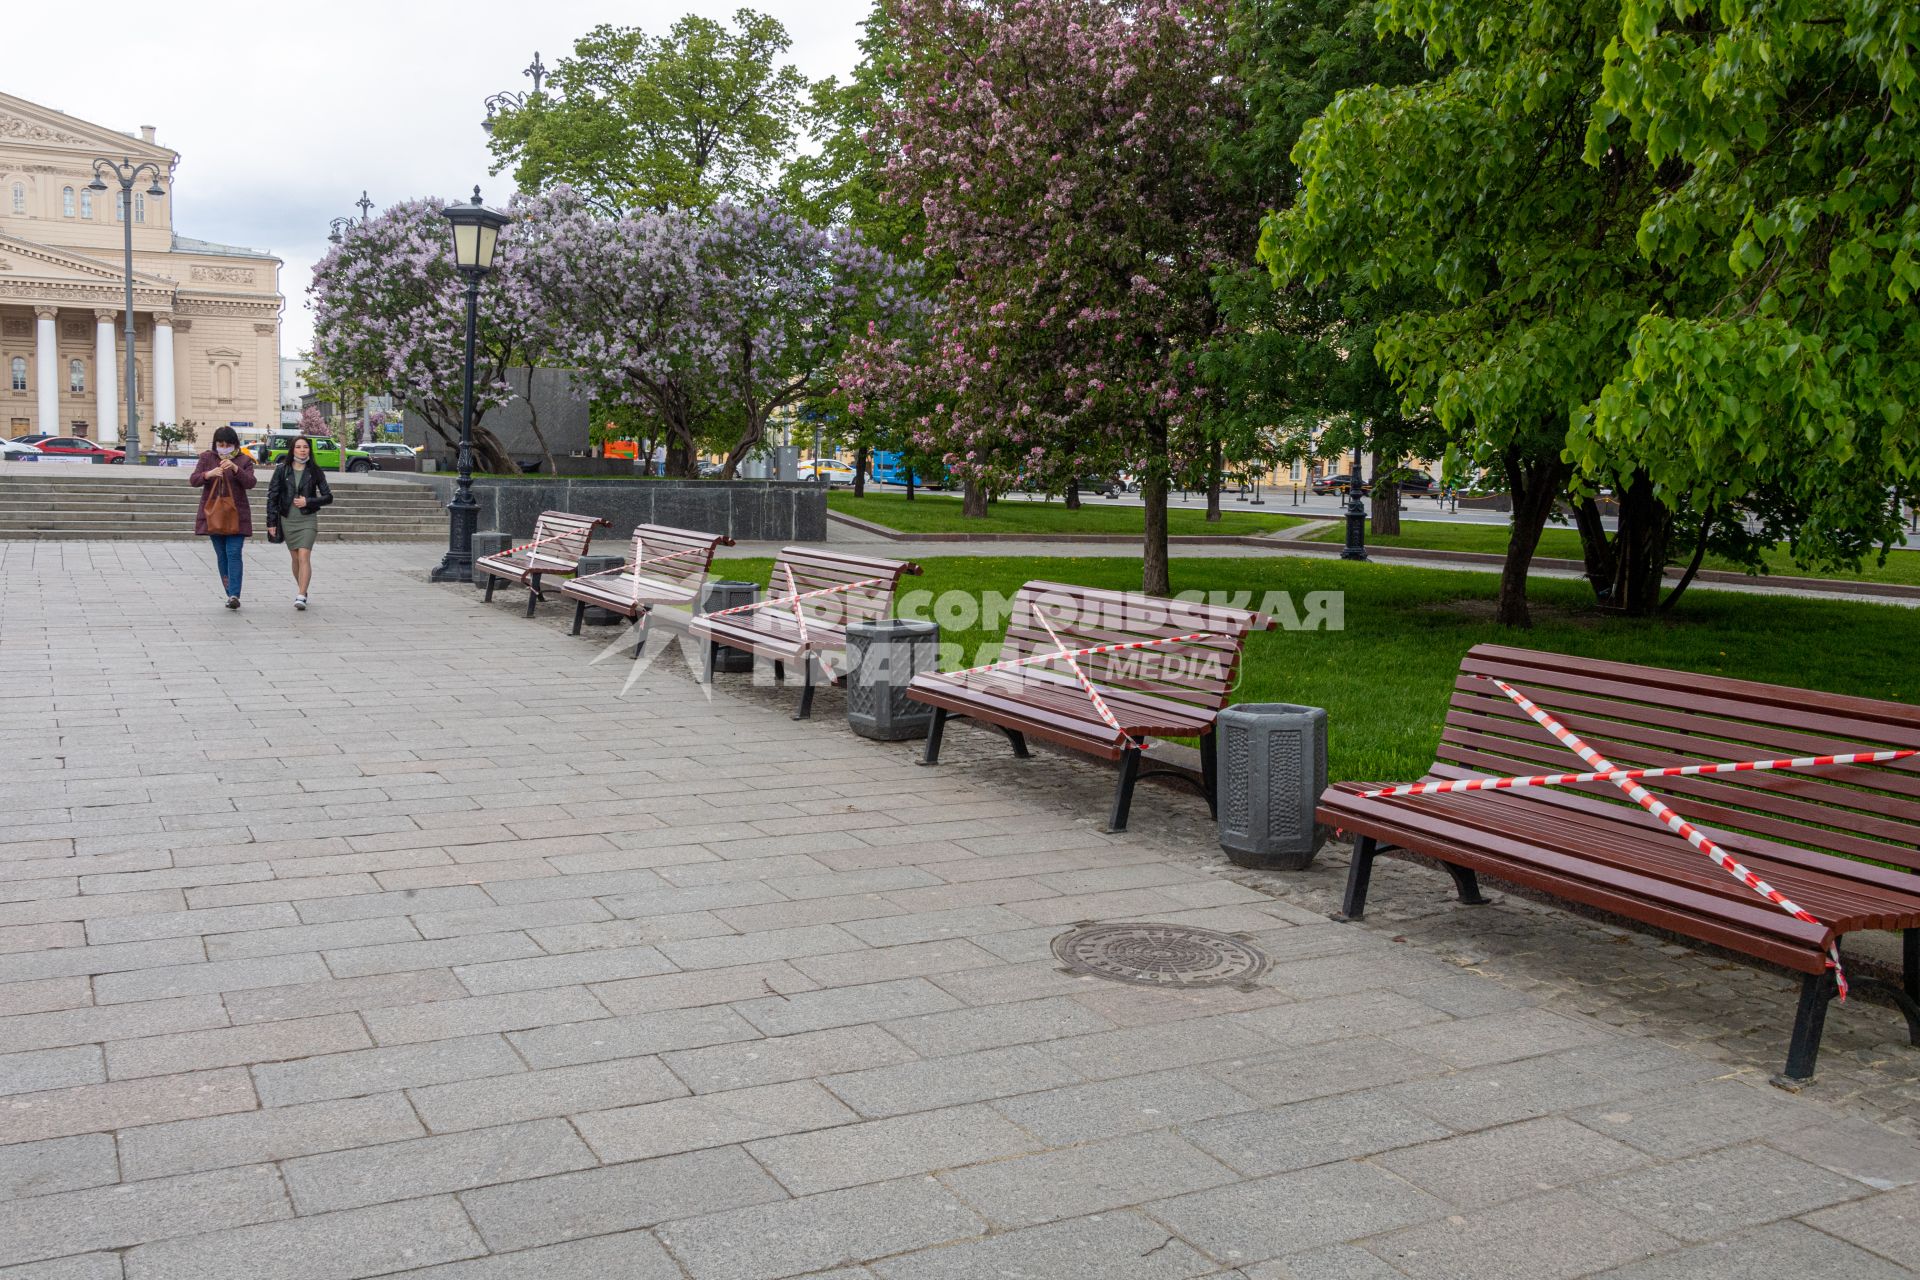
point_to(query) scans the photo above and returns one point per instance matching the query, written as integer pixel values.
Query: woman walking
(294, 497)
(223, 475)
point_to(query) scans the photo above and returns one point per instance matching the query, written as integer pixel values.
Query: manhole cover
(1159, 955)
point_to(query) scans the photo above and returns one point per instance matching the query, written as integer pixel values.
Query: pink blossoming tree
(1059, 150)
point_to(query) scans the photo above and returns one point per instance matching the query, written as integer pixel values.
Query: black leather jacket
(313, 487)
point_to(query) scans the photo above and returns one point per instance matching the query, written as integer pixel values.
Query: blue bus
(889, 467)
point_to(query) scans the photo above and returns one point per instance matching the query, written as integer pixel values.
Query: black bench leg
(488, 598)
(1910, 962)
(533, 594)
(932, 754)
(779, 670)
(639, 634)
(1210, 771)
(1816, 989)
(1019, 741)
(806, 690)
(1467, 884)
(1359, 875)
(713, 652)
(1123, 793)
(579, 616)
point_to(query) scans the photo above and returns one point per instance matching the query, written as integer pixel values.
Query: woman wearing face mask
(223, 475)
(294, 497)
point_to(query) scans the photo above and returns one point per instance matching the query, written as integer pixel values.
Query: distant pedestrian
(223, 475)
(294, 497)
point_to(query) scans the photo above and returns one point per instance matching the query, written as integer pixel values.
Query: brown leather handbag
(223, 513)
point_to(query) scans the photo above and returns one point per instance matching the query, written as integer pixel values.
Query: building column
(163, 409)
(105, 358)
(46, 363)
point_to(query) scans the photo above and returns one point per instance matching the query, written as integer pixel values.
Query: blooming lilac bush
(716, 322)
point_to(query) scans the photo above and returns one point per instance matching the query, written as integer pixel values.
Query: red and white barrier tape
(799, 616)
(1630, 775)
(1032, 659)
(537, 542)
(635, 565)
(1675, 823)
(1099, 703)
(804, 595)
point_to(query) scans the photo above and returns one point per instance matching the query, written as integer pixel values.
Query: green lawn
(1385, 678)
(1442, 535)
(941, 514)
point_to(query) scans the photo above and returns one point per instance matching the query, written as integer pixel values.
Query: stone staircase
(139, 503)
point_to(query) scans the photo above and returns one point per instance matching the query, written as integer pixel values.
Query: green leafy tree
(1295, 367)
(679, 121)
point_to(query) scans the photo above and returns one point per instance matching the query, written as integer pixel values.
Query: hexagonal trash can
(487, 542)
(727, 594)
(1273, 767)
(882, 657)
(594, 616)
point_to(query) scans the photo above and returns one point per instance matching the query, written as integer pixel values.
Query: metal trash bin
(1273, 767)
(726, 594)
(882, 657)
(490, 542)
(595, 616)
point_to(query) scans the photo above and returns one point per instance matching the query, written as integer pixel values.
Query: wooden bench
(1842, 842)
(666, 566)
(559, 539)
(818, 630)
(1173, 690)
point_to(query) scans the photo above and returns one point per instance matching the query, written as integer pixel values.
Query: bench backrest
(814, 569)
(571, 534)
(691, 553)
(1199, 673)
(1651, 717)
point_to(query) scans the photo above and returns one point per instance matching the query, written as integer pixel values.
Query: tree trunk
(1693, 567)
(910, 480)
(1535, 485)
(1639, 549)
(1156, 578)
(860, 472)
(680, 457)
(1216, 476)
(1073, 494)
(973, 501)
(533, 422)
(1386, 498)
(1595, 549)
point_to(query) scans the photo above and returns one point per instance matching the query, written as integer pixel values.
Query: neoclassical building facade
(206, 339)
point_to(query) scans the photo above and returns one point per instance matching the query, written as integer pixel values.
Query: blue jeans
(226, 553)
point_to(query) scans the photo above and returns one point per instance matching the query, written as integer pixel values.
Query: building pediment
(23, 258)
(27, 124)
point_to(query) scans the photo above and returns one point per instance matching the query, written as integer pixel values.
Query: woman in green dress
(294, 497)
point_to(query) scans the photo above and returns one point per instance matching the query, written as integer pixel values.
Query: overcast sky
(283, 116)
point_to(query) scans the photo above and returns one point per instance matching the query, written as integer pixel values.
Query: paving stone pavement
(400, 937)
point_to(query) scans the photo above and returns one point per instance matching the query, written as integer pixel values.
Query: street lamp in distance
(127, 174)
(476, 234)
(1356, 548)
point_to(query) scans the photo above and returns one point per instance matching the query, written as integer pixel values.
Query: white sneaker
(299, 602)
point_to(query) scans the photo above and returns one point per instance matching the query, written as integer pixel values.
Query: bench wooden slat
(1842, 843)
(563, 537)
(675, 580)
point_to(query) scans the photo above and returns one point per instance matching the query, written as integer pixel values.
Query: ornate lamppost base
(457, 564)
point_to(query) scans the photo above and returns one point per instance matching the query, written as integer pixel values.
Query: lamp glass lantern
(476, 232)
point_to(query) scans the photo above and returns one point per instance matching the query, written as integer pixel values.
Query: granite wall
(745, 510)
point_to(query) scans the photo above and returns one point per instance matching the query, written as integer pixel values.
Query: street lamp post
(509, 101)
(128, 173)
(1356, 548)
(476, 231)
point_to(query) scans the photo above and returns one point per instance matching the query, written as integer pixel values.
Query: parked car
(15, 451)
(836, 471)
(1338, 482)
(34, 438)
(392, 456)
(1418, 484)
(710, 470)
(326, 452)
(74, 446)
(1104, 486)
